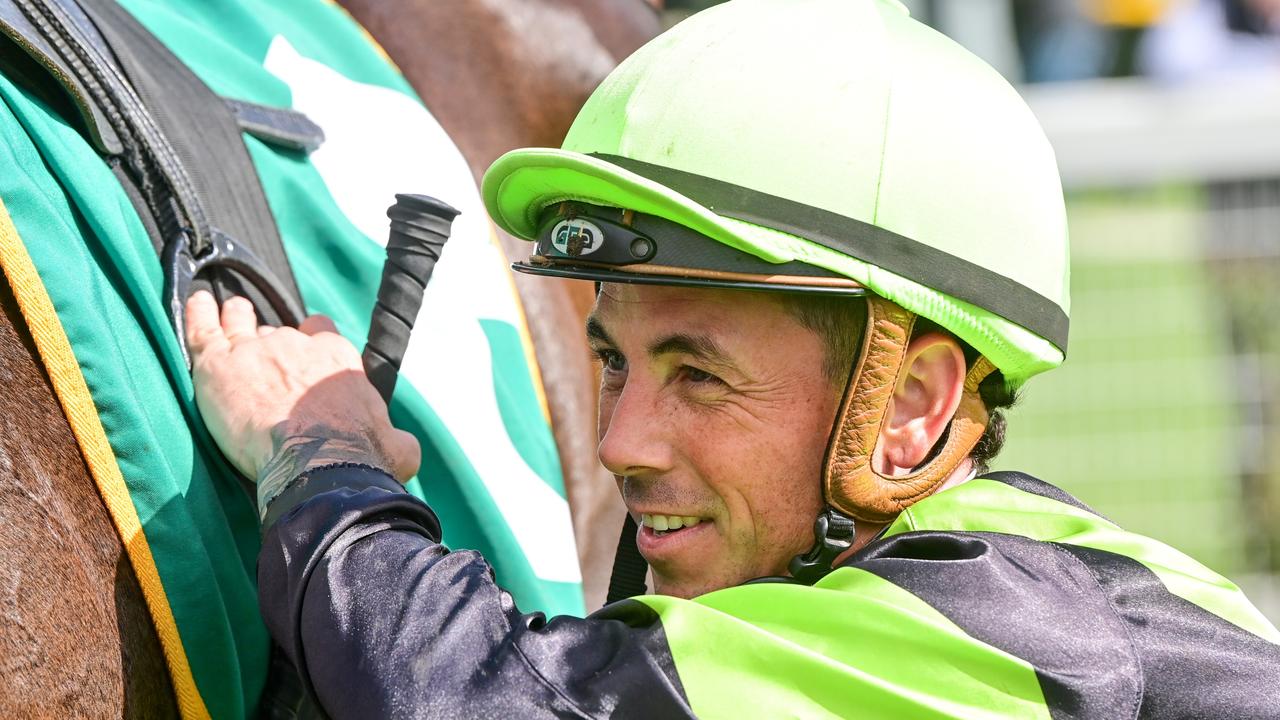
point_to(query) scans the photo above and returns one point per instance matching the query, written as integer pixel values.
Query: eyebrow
(596, 331)
(699, 346)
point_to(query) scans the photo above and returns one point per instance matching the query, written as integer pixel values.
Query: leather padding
(850, 483)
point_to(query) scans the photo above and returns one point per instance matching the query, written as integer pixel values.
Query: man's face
(714, 408)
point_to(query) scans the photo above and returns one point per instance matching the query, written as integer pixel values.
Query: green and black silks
(1003, 597)
(489, 461)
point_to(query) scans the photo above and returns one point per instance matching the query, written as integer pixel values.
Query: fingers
(239, 319)
(404, 453)
(204, 333)
(315, 324)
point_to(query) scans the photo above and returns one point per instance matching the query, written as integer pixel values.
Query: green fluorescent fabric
(853, 646)
(847, 106)
(988, 506)
(468, 390)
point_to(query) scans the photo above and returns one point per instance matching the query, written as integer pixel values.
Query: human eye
(698, 376)
(613, 369)
(611, 361)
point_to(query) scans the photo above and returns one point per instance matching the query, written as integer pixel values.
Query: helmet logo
(576, 237)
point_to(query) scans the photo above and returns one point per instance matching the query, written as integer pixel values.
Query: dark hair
(840, 322)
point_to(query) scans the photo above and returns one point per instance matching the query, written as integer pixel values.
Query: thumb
(204, 331)
(404, 453)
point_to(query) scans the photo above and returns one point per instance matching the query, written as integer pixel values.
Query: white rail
(1129, 132)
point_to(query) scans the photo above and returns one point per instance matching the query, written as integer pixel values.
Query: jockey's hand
(280, 401)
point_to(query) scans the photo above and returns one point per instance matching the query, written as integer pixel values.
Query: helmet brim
(522, 183)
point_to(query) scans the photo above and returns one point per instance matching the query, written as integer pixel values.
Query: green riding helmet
(831, 146)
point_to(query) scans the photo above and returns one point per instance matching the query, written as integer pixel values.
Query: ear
(924, 401)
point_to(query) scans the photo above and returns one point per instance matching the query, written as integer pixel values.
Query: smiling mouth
(662, 525)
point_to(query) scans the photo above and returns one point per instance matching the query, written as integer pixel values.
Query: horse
(76, 638)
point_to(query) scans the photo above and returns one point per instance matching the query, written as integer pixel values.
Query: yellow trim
(69, 385)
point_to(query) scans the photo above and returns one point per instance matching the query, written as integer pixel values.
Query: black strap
(833, 533)
(629, 566)
(278, 126)
(175, 146)
(205, 135)
(30, 60)
(146, 158)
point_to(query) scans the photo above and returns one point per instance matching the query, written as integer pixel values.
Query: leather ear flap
(850, 482)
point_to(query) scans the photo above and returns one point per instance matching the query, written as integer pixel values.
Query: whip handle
(419, 228)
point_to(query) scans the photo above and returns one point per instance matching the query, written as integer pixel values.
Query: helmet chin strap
(855, 491)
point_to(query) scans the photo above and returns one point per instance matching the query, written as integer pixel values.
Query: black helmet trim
(614, 245)
(877, 246)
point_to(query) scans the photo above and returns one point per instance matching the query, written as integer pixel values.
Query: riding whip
(419, 228)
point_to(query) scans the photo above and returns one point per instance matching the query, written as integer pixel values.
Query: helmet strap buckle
(833, 533)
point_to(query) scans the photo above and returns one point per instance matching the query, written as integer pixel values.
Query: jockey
(830, 245)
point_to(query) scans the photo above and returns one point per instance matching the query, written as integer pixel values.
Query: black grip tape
(419, 228)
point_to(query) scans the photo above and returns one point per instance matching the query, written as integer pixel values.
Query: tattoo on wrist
(296, 453)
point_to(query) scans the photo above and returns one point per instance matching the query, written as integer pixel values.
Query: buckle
(833, 533)
(181, 266)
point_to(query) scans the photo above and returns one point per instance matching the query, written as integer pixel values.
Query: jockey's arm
(382, 620)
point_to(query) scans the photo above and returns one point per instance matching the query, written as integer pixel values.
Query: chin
(682, 591)
(688, 588)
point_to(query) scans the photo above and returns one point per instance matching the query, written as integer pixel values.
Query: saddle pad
(469, 388)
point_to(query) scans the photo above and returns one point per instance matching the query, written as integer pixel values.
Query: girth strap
(284, 128)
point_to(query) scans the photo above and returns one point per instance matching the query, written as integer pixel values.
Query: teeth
(663, 523)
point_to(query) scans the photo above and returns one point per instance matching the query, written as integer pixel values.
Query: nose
(634, 431)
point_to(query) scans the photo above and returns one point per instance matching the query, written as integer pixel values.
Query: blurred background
(1165, 116)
